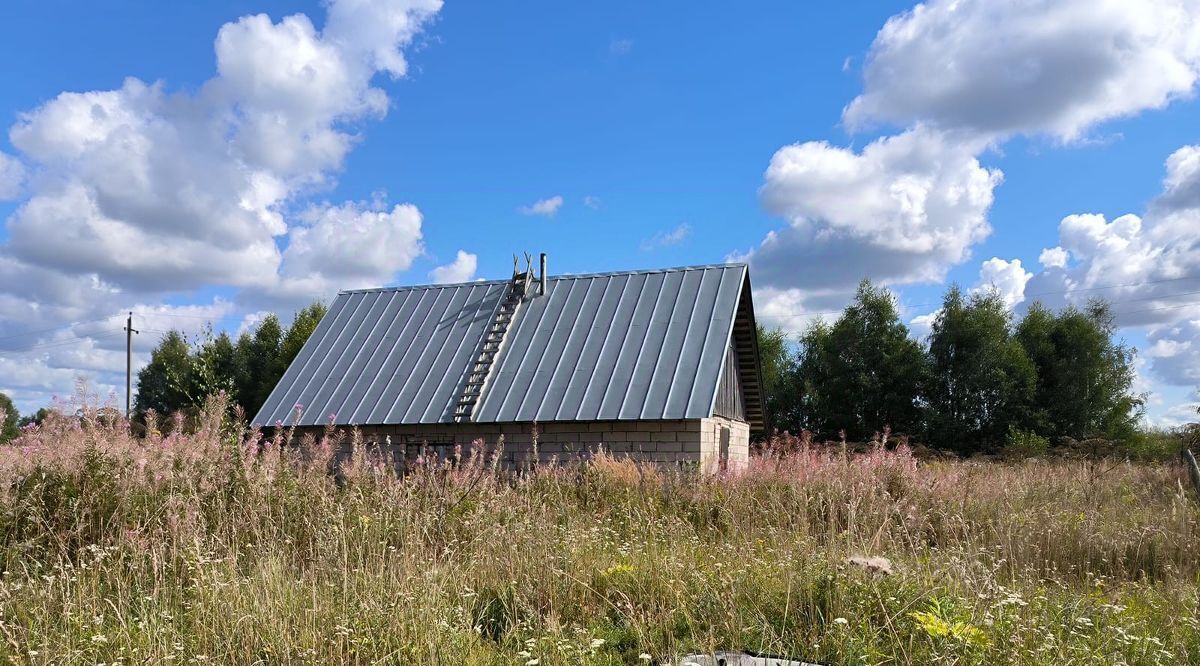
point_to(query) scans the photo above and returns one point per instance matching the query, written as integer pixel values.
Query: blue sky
(647, 130)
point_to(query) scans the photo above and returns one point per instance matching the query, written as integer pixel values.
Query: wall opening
(724, 450)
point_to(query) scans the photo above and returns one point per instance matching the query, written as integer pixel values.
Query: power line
(86, 337)
(56, 328)
(76, 339)
(186, 316)
(1166, 307)
(1156, 298)
(1116, 286)
(55, 344)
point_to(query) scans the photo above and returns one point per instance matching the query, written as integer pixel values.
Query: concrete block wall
(709, 444)
(724, 443)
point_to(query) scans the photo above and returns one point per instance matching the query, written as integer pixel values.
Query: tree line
(11, 420)
(983, 379)
(182, 373)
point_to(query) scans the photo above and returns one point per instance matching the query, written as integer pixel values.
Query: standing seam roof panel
(628, 355)
(388, 373)
(634, 345)
(332, 394)
(426, 364)
(720, 330)
(310, 397)
(674, 334)
(669, 383)
(555, 341)
(571, 356)
(435, 398)
(297, 371)
(687, 366)
(653, 342)
(368, 371)
(512, 371)
(393, 376)
(548, 314)
(610, 348)
(580, 379)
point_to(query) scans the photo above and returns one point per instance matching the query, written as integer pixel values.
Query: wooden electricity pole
(128, 365)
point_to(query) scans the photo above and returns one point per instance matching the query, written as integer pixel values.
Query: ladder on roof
(493, 340)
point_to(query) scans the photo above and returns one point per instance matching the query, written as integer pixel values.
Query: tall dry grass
(221, 547)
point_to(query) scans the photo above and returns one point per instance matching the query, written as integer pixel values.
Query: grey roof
(610, 346)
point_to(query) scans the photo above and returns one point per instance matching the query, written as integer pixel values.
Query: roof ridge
(563, 276)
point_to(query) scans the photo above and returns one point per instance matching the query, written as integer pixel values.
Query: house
(661, 365)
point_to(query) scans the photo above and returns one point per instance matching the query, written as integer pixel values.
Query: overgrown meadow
(219, 546)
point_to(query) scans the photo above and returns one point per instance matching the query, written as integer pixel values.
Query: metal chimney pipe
(542, 287)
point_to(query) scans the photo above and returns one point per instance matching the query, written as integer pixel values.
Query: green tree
(260, 363)
(980, 381)
(302, 327)
(10, 419)
(163, 383)
(181, 375)
(37, 418)
(1084, 377)
(862, 373)
(779, 374)
(213, 368)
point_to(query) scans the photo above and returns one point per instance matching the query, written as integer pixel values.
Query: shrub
(1025, 444)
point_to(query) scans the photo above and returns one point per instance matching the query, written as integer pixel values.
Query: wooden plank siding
(729, 401)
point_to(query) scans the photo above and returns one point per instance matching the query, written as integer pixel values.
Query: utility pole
(128, 365)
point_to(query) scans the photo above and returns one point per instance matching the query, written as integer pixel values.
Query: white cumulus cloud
(547, 207)
(462, 269)
(140, 192)
(920, 326)
(1144, 265)
(1054, 257)
(960, 77)
(12, 176)
(904, 209)
(350, 246)
(1174, 352)
(667, 238)
(1008, 278)
(379, 29)
(1028, 66)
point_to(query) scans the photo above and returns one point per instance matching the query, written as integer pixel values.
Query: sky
(208, 163)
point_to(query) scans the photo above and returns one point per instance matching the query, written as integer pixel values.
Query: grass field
(199, 548)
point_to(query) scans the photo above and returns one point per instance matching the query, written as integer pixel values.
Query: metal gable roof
(610, 346)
